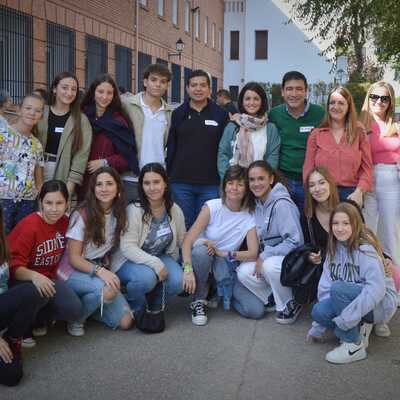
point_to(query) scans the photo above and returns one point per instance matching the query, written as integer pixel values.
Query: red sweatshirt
(37, 245)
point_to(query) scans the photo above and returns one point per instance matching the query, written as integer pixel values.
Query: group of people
(111, 206)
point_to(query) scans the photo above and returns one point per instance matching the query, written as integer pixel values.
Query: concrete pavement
(230, 358)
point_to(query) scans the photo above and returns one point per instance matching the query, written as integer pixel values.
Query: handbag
(152, 321)
(299, 273)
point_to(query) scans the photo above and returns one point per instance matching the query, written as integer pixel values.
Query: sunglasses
(375, 97)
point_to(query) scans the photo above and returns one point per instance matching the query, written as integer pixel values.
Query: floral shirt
(19, 155)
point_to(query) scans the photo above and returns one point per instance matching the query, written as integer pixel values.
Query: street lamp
(179, 46)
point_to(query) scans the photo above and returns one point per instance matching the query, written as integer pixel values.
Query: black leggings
(18, 308)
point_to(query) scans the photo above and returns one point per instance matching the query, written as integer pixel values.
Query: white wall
(287, 47)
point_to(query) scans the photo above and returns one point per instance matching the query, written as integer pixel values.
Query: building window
(206, 30)
(196, 18)
(219, 40)
(96, 58)
(214, 87)
(187, 16)
(234, 91)
(161, 8)
(165, 63)
(175, 8)
(176, 83)
(186, 73)
(213, 29)
(143, 2)
(234, 53)
(15, 53)
(261, 45)
(60, 50)
(143, 61)
(123, 67)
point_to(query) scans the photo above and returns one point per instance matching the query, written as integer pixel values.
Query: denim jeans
(345, 192)
(222, 271)
(246, 303)
(341, 295)
(296, 190)
(190, 198)
(141, 279)
(89, 290)
(15, 211)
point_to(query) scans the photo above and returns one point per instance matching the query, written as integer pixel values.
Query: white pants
(270, 281)
(382, 209)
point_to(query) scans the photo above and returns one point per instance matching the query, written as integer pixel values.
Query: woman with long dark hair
(93, 253)
(65, 133)
(156, 227)
(249, 136)
(113, 141)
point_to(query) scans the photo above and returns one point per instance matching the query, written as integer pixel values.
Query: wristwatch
(95, 269)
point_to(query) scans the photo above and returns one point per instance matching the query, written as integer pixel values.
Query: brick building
(39, 38)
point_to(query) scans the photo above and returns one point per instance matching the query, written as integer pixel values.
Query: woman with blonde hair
(382, 206)
(341, 145)
(355, 289)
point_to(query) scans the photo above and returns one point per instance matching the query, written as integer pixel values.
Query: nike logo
(351, 353)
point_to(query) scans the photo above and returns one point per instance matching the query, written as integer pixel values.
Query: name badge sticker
(306, 129)
(59, 129)
(211, 122)
(163, 231)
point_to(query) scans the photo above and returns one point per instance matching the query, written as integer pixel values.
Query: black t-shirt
(197, 140)
(55, 129)
(320, 234)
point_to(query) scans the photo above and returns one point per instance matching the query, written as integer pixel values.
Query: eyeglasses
(375, 97)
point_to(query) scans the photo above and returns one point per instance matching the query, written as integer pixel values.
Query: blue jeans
(141, 279)
(341, 295)
(190, 198)
(15, 211)
(345, 192)
(89, 290)
(246, 303)
(296, 190)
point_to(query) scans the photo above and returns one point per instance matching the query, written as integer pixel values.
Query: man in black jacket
(196, 129)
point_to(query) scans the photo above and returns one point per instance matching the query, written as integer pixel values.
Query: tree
(386, 32)
(345, 24)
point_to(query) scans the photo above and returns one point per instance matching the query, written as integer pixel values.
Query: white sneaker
(382, 330)
(365, 331)
(347, 353)
(75, 329)
(41, 331)
(28, 342)
(199, 312)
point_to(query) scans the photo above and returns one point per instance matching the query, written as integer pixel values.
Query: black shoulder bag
(299, 273)
(152, 321)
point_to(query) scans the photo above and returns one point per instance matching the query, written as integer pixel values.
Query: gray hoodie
(284, 232)
(378, 293)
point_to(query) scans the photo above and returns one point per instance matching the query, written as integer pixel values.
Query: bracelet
(187, 267)
(95, 269)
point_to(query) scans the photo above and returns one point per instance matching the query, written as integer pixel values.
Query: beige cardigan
(132, 240)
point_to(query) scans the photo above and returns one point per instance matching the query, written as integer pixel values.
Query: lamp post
(179, 46)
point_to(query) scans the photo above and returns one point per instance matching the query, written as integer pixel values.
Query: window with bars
(16, 58)
(123, 67)
(143, 61)
(176, 83)
(96, 58)
(60, 50)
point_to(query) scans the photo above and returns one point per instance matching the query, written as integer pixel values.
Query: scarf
(243, 153)
(121, 136)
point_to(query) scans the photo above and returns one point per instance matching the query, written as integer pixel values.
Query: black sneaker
(270, 306)
(289, 314)
(199, 312)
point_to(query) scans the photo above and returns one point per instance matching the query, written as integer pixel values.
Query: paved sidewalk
(230, 358)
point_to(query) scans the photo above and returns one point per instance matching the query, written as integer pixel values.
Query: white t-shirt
(152, 148)
(227, 229)
(76, 231)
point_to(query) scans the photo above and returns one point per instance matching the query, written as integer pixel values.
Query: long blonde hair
(351, 121)
(360, 234)
(367, 117)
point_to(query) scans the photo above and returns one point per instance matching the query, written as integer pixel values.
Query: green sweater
(294, 134)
